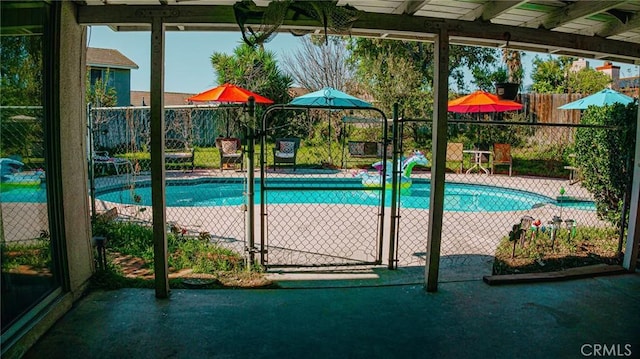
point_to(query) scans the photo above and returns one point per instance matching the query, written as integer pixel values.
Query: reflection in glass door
(26, 243)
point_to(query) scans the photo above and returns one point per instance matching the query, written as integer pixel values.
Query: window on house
(105, 75)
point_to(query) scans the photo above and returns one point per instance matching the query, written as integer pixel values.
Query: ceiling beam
(496, 8)
(496, 33)
(490, 10)
(578, 10)
(416, 27)
(620, 27)
(409, 7)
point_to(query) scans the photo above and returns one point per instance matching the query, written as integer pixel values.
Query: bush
(604, 156)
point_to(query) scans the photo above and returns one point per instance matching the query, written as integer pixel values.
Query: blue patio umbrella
(329, 97)
(600, 98)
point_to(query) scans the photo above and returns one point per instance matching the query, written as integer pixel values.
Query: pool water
(458, 196)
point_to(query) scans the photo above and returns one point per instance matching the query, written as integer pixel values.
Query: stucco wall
(73, 147)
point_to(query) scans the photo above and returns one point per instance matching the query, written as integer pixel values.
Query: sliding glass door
(28, 245)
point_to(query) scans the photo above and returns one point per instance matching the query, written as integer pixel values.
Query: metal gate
(315, 208)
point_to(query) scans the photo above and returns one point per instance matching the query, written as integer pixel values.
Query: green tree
(21, 85)
(366, 54)
(254, 69)
(99, 94)
(485, 78)
(554, 75)
(402, 71)
(21, 70)
(486, 75)
(604, 156)
(587, 81)
(551, 75)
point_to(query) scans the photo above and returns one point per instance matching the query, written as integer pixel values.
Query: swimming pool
(458, 196)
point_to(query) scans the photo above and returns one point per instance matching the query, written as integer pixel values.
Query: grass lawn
(525, 163)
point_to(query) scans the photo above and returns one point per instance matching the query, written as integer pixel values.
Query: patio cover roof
(604, 30)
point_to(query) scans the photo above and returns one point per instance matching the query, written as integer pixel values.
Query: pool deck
(469, 239)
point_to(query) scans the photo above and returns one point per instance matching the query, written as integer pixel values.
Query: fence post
(395, 173)
(250, 184)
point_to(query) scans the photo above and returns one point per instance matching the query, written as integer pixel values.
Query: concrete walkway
(466, 319)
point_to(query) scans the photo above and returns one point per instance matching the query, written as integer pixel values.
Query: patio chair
(574, 171)
(501, 157)
(455, 154)
(231, 153)
(286, 151)
(103, 160)
(179, 153)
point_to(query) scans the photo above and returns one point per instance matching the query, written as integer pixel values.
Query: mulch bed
(582, 253)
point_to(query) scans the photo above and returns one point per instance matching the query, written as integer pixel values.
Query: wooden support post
(439, 149)
(158, 200)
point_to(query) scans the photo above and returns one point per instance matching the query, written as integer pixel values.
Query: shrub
(604, 156)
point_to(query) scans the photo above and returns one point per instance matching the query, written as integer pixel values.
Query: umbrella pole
(227, 123)
(329, 139)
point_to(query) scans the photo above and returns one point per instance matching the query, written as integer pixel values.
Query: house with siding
(114, 69)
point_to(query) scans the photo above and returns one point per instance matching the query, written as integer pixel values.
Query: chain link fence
(514, 202)
(315, 210)
(514, 199)
(23, 195)
(205, 197)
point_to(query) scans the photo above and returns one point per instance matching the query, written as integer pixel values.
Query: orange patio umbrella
(482, 101)
(228, 93)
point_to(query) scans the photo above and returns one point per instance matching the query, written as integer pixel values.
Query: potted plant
(509, 90)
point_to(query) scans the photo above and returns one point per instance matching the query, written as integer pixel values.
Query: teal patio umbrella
(329, 97)
(600, 98)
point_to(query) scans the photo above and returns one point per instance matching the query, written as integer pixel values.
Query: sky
(187, 56)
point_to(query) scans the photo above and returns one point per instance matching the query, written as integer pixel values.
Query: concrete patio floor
(393, 318)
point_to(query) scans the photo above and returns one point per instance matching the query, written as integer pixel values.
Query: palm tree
(512, 58)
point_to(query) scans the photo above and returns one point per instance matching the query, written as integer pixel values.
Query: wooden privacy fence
(543, 108)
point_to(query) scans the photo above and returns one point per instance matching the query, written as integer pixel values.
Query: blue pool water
(458, 196)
